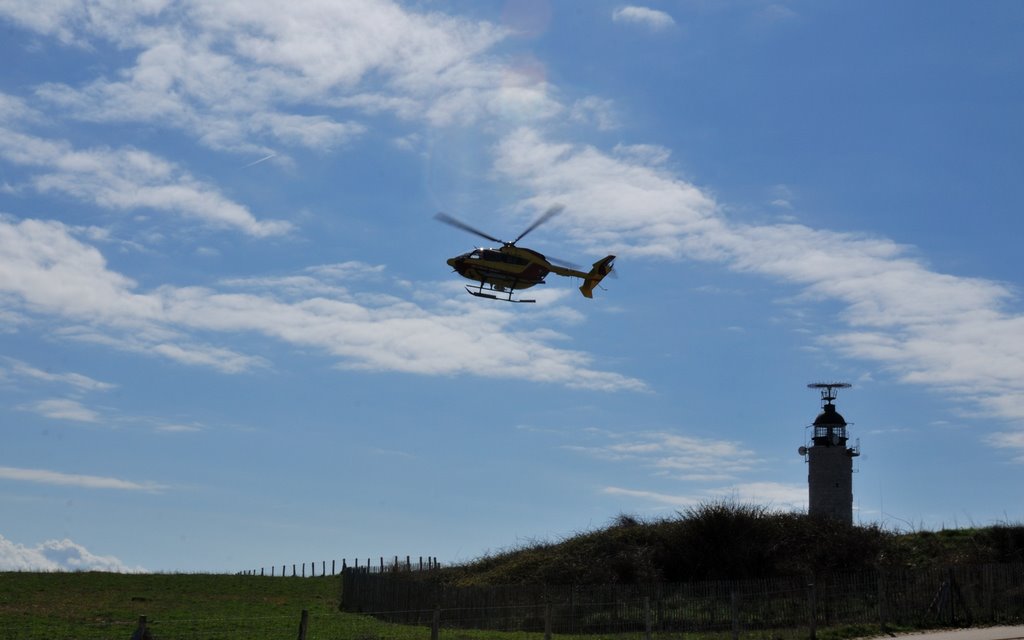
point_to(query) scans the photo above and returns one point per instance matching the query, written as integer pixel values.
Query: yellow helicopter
(508, 267)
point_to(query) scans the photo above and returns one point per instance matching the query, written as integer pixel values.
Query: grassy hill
(719, 541)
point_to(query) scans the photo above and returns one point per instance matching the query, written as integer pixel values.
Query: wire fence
(410, 605)
(960, 596)
(380, 565)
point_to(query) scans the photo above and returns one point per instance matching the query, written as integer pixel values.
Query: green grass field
(91, 605)
(104, 605)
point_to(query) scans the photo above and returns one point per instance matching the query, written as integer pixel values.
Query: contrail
(264, 159)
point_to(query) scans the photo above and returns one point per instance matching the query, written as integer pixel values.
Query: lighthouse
(829, 459)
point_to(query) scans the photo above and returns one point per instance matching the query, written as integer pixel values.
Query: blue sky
(229, 338)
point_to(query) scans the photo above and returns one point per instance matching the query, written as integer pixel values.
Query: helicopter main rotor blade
(459, 224)
(547, 215)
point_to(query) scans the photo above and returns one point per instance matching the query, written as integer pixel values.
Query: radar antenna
(829, 390)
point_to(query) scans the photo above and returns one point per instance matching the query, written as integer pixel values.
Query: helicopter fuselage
(507, 267)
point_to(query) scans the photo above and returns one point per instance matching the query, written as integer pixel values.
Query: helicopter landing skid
(479, 292)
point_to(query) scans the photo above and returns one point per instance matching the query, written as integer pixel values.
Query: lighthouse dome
(829, 417)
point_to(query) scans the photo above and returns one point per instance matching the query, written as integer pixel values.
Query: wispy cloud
(64, 409)
(668, 499)
(15, 109)
(1012, 440)
(128, 179)
(232, 76)
(776, 12)
(694, 470)
(51, 272)
(678, 456)
(57, 555)
(594, 111)
(76, 380)
(775, 494)
(779, 496)
(947, 332)
(43, 476)
(644, 16)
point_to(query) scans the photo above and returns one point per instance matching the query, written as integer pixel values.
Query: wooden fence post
(951, 581)
(647, 618)
(883, 614)
(734, 606)
(435, 623)
(812, 604)
(303, 624)
(547, 621)
(142, 630)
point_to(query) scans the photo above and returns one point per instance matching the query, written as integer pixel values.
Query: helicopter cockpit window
(499, 256)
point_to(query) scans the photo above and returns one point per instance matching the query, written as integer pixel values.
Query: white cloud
(172, 345)
(76, 380)
(67, 19)
(644, 154)
(232, 74)
(1012, 440)
(314, 132)
(776, 13)
(678, 456)
(178, 428)
(946, 332)
(44, 476)
(669, 499)
(48, 271)
(13, 108)
(788, 497)
(129, 179)
(57, 555)
(64, 409)
(778, 496)
(595, 111)
(613, 205)
(651, 18)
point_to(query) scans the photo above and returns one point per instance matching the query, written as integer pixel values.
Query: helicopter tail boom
(601, 268)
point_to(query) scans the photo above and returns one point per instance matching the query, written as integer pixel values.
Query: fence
(960, 596)
(299, 569)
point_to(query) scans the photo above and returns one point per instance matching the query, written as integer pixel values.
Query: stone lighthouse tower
(830, 460)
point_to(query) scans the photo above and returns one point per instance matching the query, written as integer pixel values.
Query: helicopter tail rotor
(601, 268)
